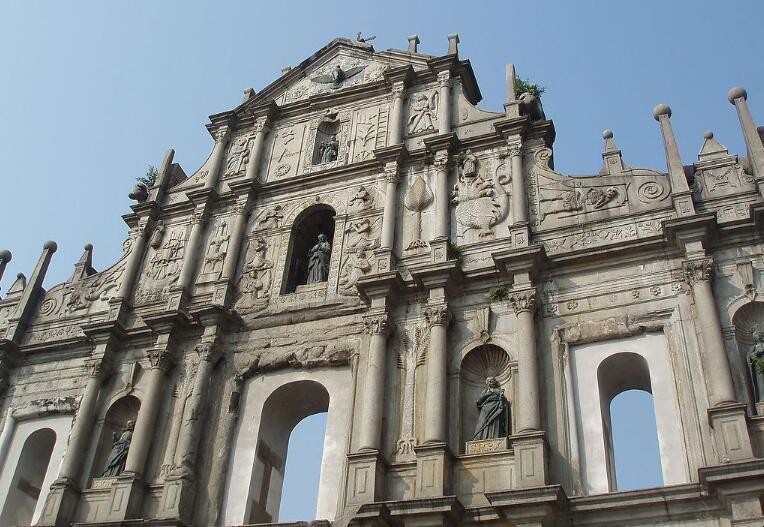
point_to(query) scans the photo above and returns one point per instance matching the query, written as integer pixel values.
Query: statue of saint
(330, 149)
(756, 364)
(318, 265)
(469, 166)
(493, 421)
(115, 463)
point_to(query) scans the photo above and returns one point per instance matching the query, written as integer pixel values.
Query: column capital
(522, 301)
(208, 351)
(222, 134)
(437, 315)
(262, 125)
(440, 161)
(378, 324)
(398, 88)
(444, 79)
(99, 368)
(515, 148)
(697, 270)
(392, 174)
(200, 215)
(160, 358)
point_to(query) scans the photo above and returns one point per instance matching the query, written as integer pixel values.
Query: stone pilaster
(439, 244)
(444, 105)
(223, 288)
(377, 326)
(222, 136)
(392, 178)
(261, 129)
(395, 135)
(727, 417)
(519, 198)
(523, 304)
(438, 317)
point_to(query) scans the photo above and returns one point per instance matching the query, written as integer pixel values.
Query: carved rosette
(698, 270)
(437, 315)
(523, 301)
(377, 324)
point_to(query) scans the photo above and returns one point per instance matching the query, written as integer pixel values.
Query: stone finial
(711, 149)
(679, 186)
(249, 93)
(5, 257)
(84, 266)
(413, 43)
(18, 285)
(661, 109)
(509, 75)
(611, 156)
(285, 69)
(453, 44)
(736, 93)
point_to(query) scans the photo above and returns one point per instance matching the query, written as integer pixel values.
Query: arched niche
(26, 485)
(746, 320)
(271, 406)
(114, 423)
(481, 362)
(315, 220)
(327, 146)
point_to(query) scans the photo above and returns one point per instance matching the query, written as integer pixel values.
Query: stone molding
(42, 407)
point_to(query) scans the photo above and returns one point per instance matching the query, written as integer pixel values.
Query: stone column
(145, 426)
(193, 245)
(82, 431)
(395, 134)
(436, 399)
(256, 154)
(444, 105)
(388, 214)
(519, 199)
(222, 135)
(738, 97)
(442, 201)
(237, 238)
(373, 396)
(135, 258)
(527, 408)
(699, 273)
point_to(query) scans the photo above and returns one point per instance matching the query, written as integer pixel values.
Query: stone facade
(458, 253)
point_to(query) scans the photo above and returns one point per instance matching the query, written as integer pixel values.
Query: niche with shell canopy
(487, 360)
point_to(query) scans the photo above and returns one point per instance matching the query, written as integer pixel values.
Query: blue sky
(93, 92)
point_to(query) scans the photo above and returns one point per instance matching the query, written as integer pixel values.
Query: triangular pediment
(341, 64)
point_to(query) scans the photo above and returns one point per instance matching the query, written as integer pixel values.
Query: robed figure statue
(493, 421)
(115, 463)
(318, 264)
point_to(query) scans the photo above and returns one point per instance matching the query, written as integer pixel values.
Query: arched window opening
(482, 414)
(299, 496)
(635, 441)
(26, 485)
(310, 248)
(625, 373)
(109, 459)
(282, 411)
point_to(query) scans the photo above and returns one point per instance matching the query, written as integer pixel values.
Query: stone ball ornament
(607, 134)
(5, 255)
(661, 109)
(736, 93)
(51, 246)
(708, 134)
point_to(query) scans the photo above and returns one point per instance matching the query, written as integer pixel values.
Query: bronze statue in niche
(756, 365)
(493, 420)
(115, 463)
(329, 149)
(318, 264)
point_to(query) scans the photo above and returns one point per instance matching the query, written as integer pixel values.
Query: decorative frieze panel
(605, 235)
(339, 73)
(286, 150)
(369, 132)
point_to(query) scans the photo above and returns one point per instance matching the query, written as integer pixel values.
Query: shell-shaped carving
(486, 361)
(418, 196)
(746, 319)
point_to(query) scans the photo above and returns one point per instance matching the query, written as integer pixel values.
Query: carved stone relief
(217, 247)
(418, 197)
(337, 74)
(606, 235)
(478, 204)
(256, 278)
(423, 113)
(361, 200)
(270, 218)
(164, 262)
(340, 121)
(412, 350)
(238, 154)
(369, 132)
(303, 356)
(361, 237)
(286, 150)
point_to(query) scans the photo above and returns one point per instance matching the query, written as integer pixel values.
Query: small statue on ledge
(318, 265)
(493, 421)
(329, 149)
(115, 463)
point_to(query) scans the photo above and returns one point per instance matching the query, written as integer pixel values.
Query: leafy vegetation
(151, 176)
(500, 292)
(525, 86)
(454, 252)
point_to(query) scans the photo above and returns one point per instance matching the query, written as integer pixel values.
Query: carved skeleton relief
(256, 278)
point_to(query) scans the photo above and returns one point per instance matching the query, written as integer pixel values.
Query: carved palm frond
(354, 71)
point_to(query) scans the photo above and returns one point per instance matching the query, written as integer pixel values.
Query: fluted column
(193, 246)
(374, 383)
(436, 400)
(442, 201)
(527, 408)
(190, 431)
(135, 258)
(145, 426)
(519, 199)
(396, 115)
(82, 430)
(699, 273)
(222, 135)
(256, 154)
(237, 238)
(388, 214)
(444, 105)
(738, 97)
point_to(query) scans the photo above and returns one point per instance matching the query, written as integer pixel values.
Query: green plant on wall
(150, 178)
(498, 293)
(525, 86)
(454, 252)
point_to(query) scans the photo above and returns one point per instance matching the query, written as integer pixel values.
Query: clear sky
(91, 93)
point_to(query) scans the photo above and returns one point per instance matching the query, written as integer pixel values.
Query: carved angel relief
(423, 113)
